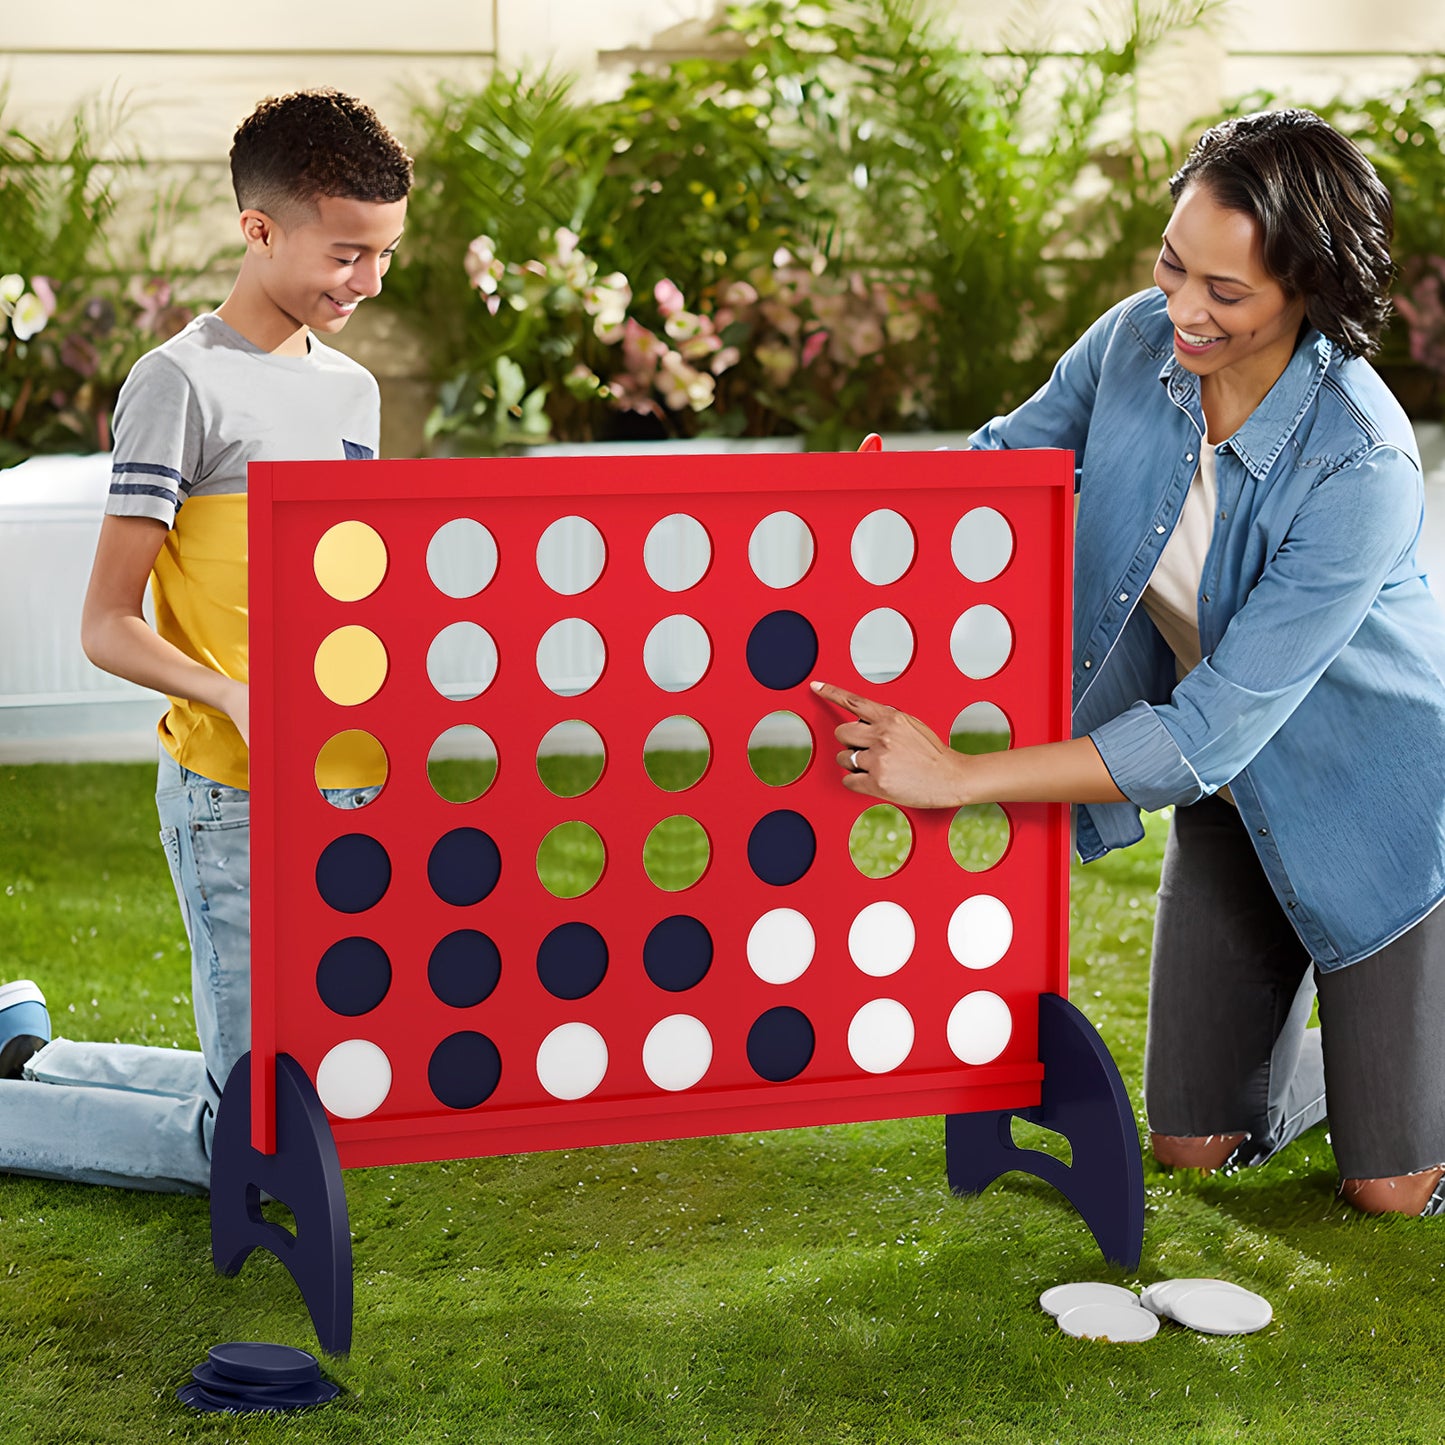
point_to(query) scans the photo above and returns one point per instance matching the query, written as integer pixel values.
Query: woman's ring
(853, 761)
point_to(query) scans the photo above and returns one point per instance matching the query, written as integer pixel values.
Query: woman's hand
(891, 755)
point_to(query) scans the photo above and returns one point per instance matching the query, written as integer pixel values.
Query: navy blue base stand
(1084, 1100)
(304, 1174)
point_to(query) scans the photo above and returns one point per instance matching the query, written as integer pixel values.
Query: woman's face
(1230, 315)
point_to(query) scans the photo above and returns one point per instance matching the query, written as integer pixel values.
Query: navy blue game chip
(464, 968)
(678, 953)
(353, 872)
(464, 866)
(782, 649)
(781, 847)
(464, 1071)
(254, 1362)
(211, 1401)
(780, 1044)
(353, 976)
(572, 960)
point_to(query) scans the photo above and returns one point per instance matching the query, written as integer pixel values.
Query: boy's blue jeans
(140, 1117)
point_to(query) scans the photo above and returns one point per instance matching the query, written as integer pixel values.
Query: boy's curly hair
(294, 149)
(1325, 217)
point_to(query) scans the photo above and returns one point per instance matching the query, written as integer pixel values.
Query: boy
(322, 190)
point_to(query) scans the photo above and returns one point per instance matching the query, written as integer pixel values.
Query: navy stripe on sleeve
(152, 469)
(139, 489)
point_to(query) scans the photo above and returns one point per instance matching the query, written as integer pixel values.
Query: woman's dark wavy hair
(1325, 217)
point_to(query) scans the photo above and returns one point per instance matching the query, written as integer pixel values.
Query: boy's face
(316, 270)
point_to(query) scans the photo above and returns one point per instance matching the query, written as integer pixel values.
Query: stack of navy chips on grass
(249, 1375)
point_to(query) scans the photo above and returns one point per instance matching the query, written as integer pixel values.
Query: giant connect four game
(543, 954)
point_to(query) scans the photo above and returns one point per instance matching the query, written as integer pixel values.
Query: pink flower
(812, 346)
(683, 386)
(739, 293)
(669, 298)
(728, 357)
(483, 268)
(44, 293)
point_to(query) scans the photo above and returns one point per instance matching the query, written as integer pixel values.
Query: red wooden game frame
(292, 505)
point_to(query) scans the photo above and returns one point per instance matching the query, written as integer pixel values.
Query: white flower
(12, 288)
(28, 317)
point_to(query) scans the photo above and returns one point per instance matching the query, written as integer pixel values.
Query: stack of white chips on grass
(1096, 1311)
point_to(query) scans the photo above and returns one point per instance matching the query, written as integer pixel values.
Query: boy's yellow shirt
(199, 586)
(191, 417)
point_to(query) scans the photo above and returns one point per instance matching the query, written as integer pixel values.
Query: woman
(1254, 644)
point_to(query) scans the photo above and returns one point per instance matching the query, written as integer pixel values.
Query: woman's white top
(1172, 597)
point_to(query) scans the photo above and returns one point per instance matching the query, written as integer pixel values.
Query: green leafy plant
(79, 302)
(923, 227)
(1403, 133)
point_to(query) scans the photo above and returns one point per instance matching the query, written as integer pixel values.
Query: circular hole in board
(982, 727)
(982, 544)
(348, 764)
(883, 547)
(677, 653)
(461, 558)
(676, 753)
(780, 747)
(570, 758)
(350, 561)
(882, 645)
(570, 860)
(880, 841)
(462, 661)
(461, 764)
(981, 641)
(677, 552)
(571, 657)
(675, 853)
(571, 555)
(978, 836)
(780, 550)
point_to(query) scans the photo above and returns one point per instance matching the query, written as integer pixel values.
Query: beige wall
(188, 71)
(191, 70)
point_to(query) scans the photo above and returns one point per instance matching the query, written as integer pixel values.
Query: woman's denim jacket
(1321, 696)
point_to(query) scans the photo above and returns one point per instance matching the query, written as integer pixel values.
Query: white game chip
(1221, 1309)
(1161, 1295)
(1064, 1297)
(1123, 1323)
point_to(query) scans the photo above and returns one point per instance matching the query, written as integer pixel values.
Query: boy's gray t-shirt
(193, 412)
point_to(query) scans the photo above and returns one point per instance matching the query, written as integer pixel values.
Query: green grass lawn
(817, 1285)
